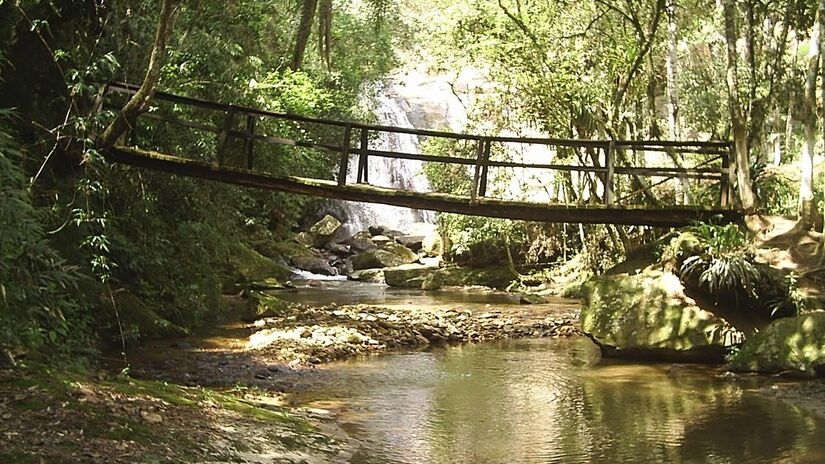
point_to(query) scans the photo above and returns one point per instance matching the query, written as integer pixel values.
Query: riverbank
(59, 416)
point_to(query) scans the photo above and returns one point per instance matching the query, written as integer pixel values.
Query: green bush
(37, 286)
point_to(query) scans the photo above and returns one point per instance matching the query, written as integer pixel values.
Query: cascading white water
(391, 110)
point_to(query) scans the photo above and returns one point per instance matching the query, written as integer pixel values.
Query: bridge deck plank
(530, 211)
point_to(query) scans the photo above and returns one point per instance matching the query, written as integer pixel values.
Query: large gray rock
(790, 345)
(406, 255)
(408, 275)
(362, 241)
(314, 264)
(413, 242)
(323, 231)
(648, 316)
(375, 259)
(368, 275)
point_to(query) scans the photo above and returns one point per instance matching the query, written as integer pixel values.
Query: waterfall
(391, 110)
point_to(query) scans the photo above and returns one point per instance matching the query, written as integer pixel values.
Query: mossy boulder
(368, 275)
(407, 255)
(648, 316)
(408, 275)
(252, 266)
(494, 277)
(789, 345)
(135, 315)
(260, 305)
(376, 259)
(314, 264)
(322, 231)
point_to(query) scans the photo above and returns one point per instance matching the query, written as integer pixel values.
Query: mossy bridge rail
(648, 182)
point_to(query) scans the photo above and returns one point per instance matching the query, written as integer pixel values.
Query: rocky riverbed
(278, 350)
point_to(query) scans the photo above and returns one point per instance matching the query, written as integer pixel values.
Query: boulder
(648, 316)
(531, 298)
(323, 231)
(252, 266)
(375, 259)
(496, 277)
(260, 305)
(368, 275)
(314, 264)
(413, 242)
(432, 281)
(407, 255)
(432, 245)
(394, 234)
(789, 345)
(381, 240)
(408, 275)
(362, 241)
(305, 239)
(338, 249)
(376, 230)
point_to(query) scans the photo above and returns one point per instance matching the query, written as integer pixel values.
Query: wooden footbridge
(678, 182)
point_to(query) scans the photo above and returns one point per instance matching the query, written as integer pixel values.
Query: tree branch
(141, 99)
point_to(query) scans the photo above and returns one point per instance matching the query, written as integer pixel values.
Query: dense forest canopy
(78, 231)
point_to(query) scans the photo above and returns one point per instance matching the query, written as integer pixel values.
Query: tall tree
(672, 64)
(308, 8)
(139, 102)
(738, 114)
(807, 208)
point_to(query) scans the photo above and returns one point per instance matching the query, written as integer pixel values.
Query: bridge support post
(223, 136)
(485, 157)
(363, 176)
(726, 181)
(342, 172)
(477, 173)
(249, 144)
(609, 161)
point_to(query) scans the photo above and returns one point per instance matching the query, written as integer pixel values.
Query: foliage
(37, 286)
(725, 269)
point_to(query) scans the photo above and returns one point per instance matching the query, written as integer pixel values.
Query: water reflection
(530, 401)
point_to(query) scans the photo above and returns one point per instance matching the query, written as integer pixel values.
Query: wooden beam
(589, 214)
(342, 171)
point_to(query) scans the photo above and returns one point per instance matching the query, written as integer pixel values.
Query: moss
(260, 305)
(794, 344)
(648, 315)
(252, 266)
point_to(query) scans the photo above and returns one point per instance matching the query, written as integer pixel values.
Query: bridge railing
(609, 159)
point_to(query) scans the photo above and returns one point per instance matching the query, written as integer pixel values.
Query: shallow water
(546, 400)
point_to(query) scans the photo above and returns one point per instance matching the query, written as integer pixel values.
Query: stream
(547, 400)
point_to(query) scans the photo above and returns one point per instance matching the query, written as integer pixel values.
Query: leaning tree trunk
(738, 116)
(139, 102)
(807, 207)
(308, 8)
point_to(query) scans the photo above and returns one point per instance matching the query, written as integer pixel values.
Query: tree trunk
(325, 31)
(807, 208)
(821, 23)
(304, 29)
(672, 65)
(738, 116)
(139, 102)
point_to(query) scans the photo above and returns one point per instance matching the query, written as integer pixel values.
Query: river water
(551, 400)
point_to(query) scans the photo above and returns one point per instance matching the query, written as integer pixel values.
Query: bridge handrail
(482, 162)
(131, 89)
